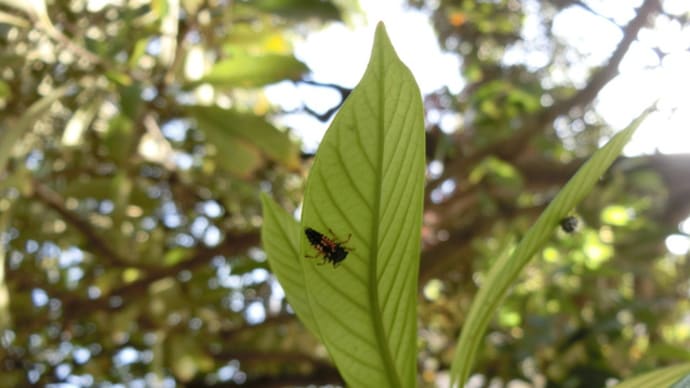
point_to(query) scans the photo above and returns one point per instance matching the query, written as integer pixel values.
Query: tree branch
(610, 70)
(54, 201)
(231, 246)
(508, 148)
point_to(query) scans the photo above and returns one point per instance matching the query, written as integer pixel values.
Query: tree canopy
(137, 137)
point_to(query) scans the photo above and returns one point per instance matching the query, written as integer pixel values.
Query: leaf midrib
(377, 311)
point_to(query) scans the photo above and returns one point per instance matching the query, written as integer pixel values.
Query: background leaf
(251, 128)
(233, 154)
(298, 8)
(368, 180)
(247, 71)
(508, 267)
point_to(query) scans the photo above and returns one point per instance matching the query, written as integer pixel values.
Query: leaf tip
(381, 35)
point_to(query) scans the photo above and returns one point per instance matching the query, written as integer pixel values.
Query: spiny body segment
(331, 250)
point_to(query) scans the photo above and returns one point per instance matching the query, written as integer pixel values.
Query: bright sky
(338, 54)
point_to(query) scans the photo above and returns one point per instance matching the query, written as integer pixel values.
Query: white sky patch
(595, 42)
(620, 12)
(644, 80)
(533, 47)
(678, 244)
(339, 54)
(585, 47)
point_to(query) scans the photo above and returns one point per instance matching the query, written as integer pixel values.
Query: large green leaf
(368, 181)
(661, 378)
(508, 267)
(280, 239)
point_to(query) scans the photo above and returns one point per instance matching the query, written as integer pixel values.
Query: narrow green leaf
(507, 268)
(368, 182)
(254, 70)
(280, 238)
(660, 378)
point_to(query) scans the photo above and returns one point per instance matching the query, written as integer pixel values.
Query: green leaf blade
(280, 238)
(368, 181)
(507, 268)
(675, 376)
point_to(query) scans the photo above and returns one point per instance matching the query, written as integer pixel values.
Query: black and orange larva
(332, 250)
